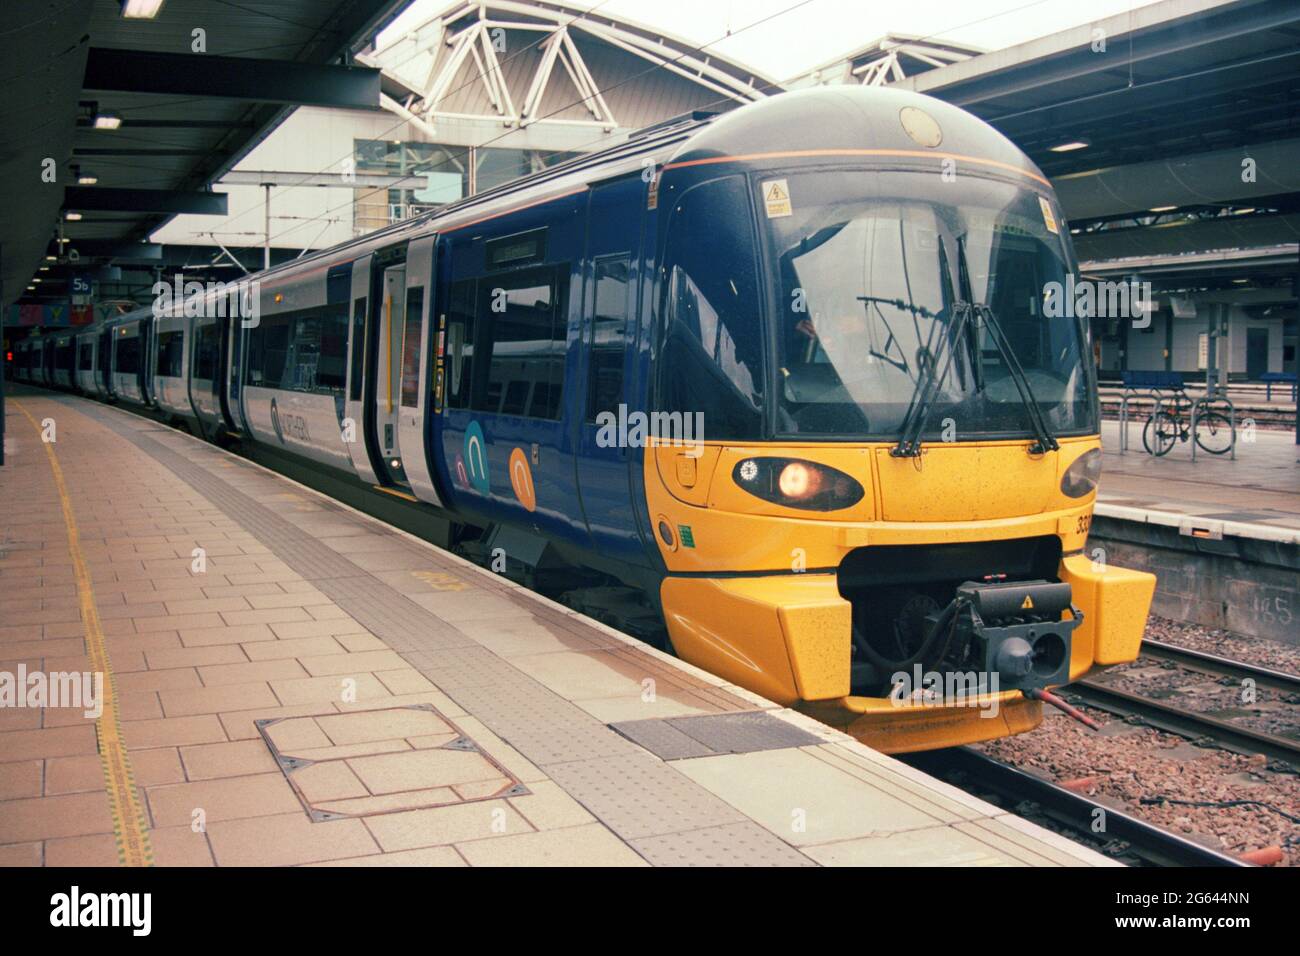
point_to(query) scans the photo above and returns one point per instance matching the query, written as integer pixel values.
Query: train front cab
(813, 554)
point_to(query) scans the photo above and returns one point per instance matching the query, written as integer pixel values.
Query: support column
(266, 245)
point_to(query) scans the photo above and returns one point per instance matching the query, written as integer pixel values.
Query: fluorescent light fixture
(1163, 208)
(87, 179)
(1070, 146)
(1238, 281)
(107, 121)
(72, 216)
(36, 279)
(51, 258)
(44, 269)
(1243, 212)
(31, 288)
(140, 9)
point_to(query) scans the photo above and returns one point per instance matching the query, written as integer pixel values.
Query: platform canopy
(1167, 130)
(138, 115)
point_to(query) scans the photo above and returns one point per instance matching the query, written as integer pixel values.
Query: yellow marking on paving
(129, 827)
(440, 581)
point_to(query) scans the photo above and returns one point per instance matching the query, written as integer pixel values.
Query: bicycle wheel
(1160, 433)
(1214, 433)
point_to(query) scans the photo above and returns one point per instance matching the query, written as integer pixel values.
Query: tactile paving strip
(638, 796)
(733, 844)
(634, 794)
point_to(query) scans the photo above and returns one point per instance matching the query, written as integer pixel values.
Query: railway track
(1225, 666)
(1150, 845)
(1097, 692)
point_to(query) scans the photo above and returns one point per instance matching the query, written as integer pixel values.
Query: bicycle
(1169, 425)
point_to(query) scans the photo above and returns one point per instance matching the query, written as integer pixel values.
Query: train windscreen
(870, 268)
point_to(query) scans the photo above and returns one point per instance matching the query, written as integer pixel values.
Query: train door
(415, 368)
(205, 374)
(387, 342)
(144, 373)
(104, 358)
(608, 313)
(227, 383)
(363, 448)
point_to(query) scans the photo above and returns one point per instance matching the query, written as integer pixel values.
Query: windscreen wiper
(909, 436)
(1045, 441)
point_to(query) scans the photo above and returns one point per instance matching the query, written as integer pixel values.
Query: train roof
(829, 121)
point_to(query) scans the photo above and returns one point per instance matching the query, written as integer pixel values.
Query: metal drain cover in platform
(365, 762)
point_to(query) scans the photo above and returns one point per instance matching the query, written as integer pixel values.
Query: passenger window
(170, 355)
(521, 325)
(412, 341)
(358, 347)
(331, 364)
(128, 354)
(207, 343)
(608, 333)
(267, 350)
(460, 343)
(303, 354)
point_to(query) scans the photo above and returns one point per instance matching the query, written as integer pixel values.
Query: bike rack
(1123, 418)
(1158, 399)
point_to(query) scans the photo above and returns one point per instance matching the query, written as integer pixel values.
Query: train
(780, 378)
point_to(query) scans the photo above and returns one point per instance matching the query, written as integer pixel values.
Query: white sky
(822, 30)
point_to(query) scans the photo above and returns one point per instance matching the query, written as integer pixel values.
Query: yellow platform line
(130, 829)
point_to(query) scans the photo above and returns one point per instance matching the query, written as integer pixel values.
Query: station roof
(522, 62)
(185, 116)
(1163, 104)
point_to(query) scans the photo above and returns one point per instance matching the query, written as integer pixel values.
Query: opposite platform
(1256, 495)
(293, 682)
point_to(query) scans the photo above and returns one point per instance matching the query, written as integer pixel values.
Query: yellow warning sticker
(1027, 604)
(1048, 219)
(776, 198)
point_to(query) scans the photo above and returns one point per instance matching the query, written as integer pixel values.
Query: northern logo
(294, 425)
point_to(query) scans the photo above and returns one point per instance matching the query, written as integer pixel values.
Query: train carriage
(785, 373)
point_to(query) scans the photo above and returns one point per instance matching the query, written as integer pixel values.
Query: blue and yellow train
(783, 372)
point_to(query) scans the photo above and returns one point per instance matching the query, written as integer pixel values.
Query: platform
(327, 689)
(1257, 495)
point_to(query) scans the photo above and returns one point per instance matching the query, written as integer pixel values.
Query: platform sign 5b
(79, 288)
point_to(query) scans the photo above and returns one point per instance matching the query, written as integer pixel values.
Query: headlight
(797, 484)
(1081, 477)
